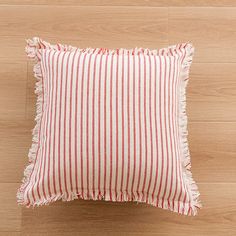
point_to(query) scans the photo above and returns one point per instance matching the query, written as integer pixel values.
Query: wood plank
(211, 92)
(202, 3)
(87, 2)
(12, 49)
(128, 27)
(211, 30)
(213, 151)
(13, 90)
(95, 234)
(9, 211)
(10, 233)
(217, 217)
(141, 3)
(14, 144)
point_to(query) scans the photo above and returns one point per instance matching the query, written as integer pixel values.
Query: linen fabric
(112, 125)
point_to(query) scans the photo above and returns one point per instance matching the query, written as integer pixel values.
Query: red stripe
(64, 126)
(166, 134)
(134, 128)
(87, 124)
(70, 120)
(59, 127)
(93, 120)
(155, 117)
(175, 130)
(111, 120)
(122, 120)
(47, 129)
(49, 121)
(105, 129)
(161, 132)
(128, 121)
(139, 126)
(99, 126)
(76, 123)
(150, 120)
(81, 127)
(167, 123)
(55, 119)
(145, 124)
(171, 129)
(117, 128)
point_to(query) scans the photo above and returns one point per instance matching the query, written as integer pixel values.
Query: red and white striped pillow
(111, 124)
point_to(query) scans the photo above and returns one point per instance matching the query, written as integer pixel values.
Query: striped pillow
(111, 124)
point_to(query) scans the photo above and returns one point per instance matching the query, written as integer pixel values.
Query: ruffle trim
(192, 188)
(36, 45)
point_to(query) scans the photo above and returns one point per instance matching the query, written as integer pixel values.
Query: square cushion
(112, 125)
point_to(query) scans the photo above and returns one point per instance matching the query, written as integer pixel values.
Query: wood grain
(88, 2)
(9, 211)
(211, 92)
(13, 90)
(14, 144)
(12, 49)
(10, 233)
(126, 28)
(213, 151)
(211, 101)
(202, 3)
(211, 30)
(141, 3)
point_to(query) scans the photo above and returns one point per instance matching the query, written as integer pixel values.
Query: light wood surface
(209, 25)
(123, 218)
(149, 3)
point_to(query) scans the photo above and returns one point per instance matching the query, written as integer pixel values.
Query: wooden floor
(210, 25)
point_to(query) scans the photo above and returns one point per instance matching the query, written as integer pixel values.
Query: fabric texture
(112, 125)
